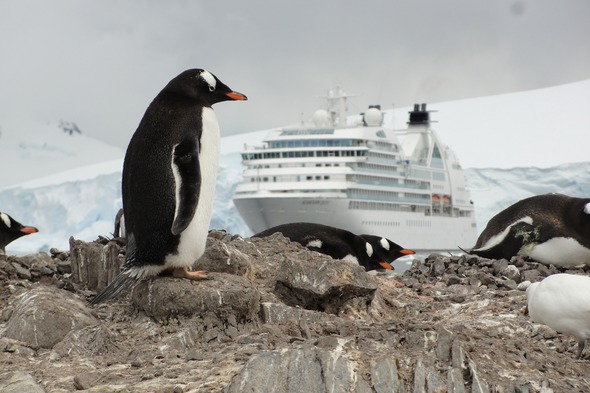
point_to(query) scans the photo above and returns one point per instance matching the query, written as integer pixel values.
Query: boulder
(223, 295)
(318, 282)
(43, 316)
(18, 382)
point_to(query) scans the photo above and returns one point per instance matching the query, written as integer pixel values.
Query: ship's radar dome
(373, 117)
(321, 118)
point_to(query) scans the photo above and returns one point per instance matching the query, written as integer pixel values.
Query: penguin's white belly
(559, 251)
(562, 302)
(194, 238)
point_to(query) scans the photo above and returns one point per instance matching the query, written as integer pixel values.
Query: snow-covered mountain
(69, 185)
(31, 150)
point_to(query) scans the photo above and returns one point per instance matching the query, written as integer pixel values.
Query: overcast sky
(100, 63)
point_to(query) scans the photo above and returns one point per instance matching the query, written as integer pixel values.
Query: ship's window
(318, 178)
(326, 177)
(436, 152)
(309, 178)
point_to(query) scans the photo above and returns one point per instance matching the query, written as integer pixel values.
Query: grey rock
(90, 341)
(94, 265)
(304, 370)
(223, 257)
(223, 295)
(324, 284)
(18, 382)
(478, 384)
(278, 313)
(511, 272)
(43, 316)
(499, 266)
(531, 275)
(385, 376)
(21, 271)
(444, 344)
(455, 381)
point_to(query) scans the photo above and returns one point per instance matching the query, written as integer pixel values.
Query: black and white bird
(168, 182)
(562, 302)
(371, 252)
(551, 229)
(10, 230)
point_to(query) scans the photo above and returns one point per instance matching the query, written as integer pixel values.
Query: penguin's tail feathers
(123, 282)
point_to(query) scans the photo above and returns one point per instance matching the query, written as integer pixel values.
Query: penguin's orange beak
(29, 230)
(407, 252)
(386, 266)
(234, 95)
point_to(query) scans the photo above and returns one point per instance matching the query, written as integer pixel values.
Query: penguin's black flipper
(121, 283)
(187, 176)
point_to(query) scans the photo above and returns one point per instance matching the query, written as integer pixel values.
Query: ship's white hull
(411, 230)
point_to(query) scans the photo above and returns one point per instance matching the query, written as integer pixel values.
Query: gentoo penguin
(371, 252)
(10, 230)
(562, 302)
(168, 182)
(551, 229)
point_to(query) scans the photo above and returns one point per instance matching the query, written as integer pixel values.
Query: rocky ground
(275, 317)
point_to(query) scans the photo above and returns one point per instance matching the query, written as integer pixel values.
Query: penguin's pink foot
(183, 272)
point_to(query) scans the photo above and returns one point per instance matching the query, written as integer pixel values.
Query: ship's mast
(337, 106)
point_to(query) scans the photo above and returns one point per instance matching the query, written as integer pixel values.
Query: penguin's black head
(384, 251)
(10, 230)
(203, 86)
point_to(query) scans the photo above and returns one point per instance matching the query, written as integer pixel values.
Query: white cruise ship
(405, 185)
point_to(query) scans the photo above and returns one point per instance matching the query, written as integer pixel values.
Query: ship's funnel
(419, 115)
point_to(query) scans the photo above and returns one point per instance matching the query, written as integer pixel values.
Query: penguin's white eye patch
(210, 79)
(384, 243)
(587, 208)
(369, 249)
(6, 219)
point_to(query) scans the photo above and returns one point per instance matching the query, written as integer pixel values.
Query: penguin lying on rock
(562, 302)
(551, 229)
(371, 252)
(10, 230)
(168, 181)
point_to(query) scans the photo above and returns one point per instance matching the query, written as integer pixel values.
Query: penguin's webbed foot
(183, 272)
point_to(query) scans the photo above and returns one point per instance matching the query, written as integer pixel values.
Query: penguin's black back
(336, 242)
(148, 181)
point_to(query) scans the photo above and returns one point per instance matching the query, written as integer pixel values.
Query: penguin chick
(10, 230)
(168, 181)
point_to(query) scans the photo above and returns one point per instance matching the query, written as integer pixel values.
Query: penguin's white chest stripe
(193, 239)
(499, 238)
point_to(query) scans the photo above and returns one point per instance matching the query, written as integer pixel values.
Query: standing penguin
(371, 252)
(551, 229)
(169, 176)
(10, 230)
